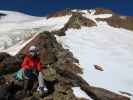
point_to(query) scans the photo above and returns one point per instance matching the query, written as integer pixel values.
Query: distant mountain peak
(13, 16)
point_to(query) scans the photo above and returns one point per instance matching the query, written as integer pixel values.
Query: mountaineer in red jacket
(31, 61)
(31, 69)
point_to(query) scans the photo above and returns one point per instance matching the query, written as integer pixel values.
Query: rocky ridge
(62, 73)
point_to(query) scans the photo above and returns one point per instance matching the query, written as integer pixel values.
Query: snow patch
(57, 23)
(94, 17)
(79, 93)
(92, 11)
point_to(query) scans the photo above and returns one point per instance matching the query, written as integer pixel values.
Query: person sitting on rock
(31, 69)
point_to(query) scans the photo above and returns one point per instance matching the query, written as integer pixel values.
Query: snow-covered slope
(106, 46)
(17, 28)
(13, 16)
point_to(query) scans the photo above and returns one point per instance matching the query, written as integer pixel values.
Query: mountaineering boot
(41, 88)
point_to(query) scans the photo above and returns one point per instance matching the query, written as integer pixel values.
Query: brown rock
(103, 11)
(119, 21)
(98, 67)
(60, 13)
(77, 20)
(3, 55)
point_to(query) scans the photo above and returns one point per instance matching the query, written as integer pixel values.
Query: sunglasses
(33, 51)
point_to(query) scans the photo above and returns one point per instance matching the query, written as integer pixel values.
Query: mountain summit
(83, 49)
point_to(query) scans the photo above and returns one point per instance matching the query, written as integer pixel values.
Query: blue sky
(43, 7)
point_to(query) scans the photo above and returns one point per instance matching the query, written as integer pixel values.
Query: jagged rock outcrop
(76, 21)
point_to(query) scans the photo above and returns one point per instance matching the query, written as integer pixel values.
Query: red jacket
(31, 63)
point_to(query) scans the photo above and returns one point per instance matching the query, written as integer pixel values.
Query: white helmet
(32, 48)
(33, 51)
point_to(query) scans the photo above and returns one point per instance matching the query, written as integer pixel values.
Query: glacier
(17, 28)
